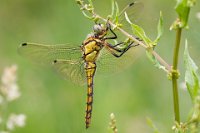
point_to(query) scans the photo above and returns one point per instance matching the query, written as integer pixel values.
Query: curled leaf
(159, 29)
(192, 77)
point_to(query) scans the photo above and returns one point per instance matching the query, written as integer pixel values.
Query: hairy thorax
(91, 47)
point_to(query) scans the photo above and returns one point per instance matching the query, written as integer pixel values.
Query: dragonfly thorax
(91, 48)
(94, 43)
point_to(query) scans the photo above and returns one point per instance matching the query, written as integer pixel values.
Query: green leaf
(127, 18)
(116, 20)
(89, 17)
(183, 9)
(113, 8)
(115, 12)
(154, 60)
(139, 32)
(159, 29)
(91, 3)
(192, 77)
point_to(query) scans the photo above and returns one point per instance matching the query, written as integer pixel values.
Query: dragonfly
(80, 63)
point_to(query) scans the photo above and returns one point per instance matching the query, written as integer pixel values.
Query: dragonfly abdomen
(90, 68)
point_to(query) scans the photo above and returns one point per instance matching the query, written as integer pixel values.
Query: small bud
(113, 123)
(80, 2)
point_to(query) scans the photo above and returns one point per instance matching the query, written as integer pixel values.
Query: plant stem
(157, 56)
(176, 49)
(175, 75)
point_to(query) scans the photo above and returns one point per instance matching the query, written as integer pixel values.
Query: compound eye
(97, 28)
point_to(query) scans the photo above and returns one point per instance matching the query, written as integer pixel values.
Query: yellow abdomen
(91, 48)
(90, 69)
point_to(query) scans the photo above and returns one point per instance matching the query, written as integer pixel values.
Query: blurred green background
(53, 105)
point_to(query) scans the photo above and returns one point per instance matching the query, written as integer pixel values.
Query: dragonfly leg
(118, 44)
(114, 49)
(108, 27)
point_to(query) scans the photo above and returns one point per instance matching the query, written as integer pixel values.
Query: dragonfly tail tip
(87, 125)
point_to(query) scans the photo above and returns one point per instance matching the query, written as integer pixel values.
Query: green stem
(175, 75)
(176, 49)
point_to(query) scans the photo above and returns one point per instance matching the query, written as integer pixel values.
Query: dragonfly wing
(64, 58)
(107, 63)
(72, 69)
(134, 11)
(46, 54)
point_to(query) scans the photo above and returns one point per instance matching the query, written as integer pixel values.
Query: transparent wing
(64, 58)
(72, 69)
(107, 63)
(133, 10)
(46, 54)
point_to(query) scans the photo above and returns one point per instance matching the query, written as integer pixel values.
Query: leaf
(116, 13)
(113, 8)
(91, 3)
(88, 17)
(139, 32)
(192, 77)
(154, 60)
(159, 29)
(127, 18)
(183, 9)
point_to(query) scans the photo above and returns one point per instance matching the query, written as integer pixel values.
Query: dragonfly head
(100, 30)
